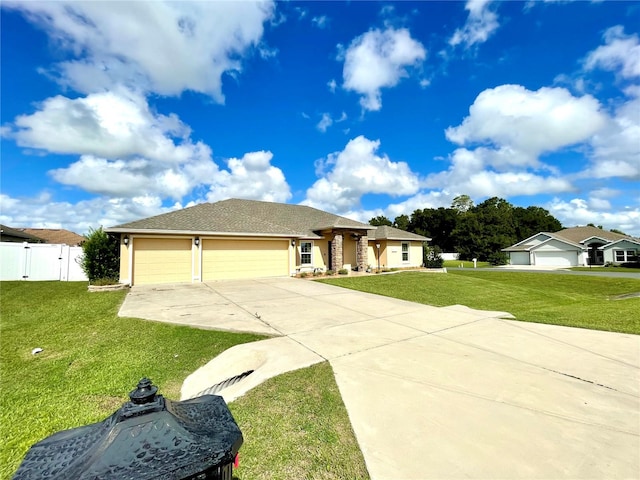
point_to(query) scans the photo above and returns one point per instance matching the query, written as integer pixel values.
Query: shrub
(101, 257)
(303, 275)
(330, 272)
(498, 258)
(317, 273)
(343, 271)
(433, 257)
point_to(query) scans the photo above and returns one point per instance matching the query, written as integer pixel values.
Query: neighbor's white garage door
(556, 259)
(228, 259)
(161, 260)
(519, 258)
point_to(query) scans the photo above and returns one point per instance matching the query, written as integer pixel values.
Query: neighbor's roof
(244, 217)
(17, 234)
(580, 234)
(572, 236)
(385, 232)
(55, 235)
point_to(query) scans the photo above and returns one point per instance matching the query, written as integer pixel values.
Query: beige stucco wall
(391, 257)
(124, 262)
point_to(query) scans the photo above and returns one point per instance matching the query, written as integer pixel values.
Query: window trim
(310, 253)
(627, 255)
(402, 252)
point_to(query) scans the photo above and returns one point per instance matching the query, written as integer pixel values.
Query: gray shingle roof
(579, 234)
(384, 232)
(249, 217)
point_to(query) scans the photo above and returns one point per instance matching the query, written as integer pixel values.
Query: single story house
(578, 246)
(56, 236)
(16, 235)
(250, 239)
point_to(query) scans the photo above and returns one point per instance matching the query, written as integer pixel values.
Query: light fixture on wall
(196, 241)
(293, 243)
(125, 240)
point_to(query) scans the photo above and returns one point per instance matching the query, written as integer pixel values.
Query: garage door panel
(228, 259)
(557, 259)
(158, 260)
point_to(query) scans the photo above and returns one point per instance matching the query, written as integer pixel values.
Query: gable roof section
(622, 240)
(582, 234)
(244, 217)
(524, 246)
(55, 235)
(385, 232)
(17, 235)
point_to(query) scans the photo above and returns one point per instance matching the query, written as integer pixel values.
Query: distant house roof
(243, 217)
(576, 236)
(581, 234)
(55, 235)
(385, 232)
(8, 234)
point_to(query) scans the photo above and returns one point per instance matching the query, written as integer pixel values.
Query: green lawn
(575, 301)
(606, 269)
(464, 263)
(91, 359)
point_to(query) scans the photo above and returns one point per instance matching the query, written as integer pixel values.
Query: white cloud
(356, 171)
(110, 125)
(621, 53)
(379, 59)
(325, 122)
(580, 212)
(332, 85)
(43, 211)
(616, 148)
(162, 47)
(480, 24)
(523, 124)
(321, 21)
(251, 177)
(468, 173)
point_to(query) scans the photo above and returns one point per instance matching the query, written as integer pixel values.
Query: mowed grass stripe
(575, 301)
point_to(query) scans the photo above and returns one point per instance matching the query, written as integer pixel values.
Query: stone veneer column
(362, 258)
(336, 252)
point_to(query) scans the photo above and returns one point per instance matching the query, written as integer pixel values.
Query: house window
(405, 251)
(622, 256)
(305, 253)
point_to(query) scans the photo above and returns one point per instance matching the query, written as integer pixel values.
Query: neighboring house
(15, 235)
(250, 239)
(56, 235)
(574, 247)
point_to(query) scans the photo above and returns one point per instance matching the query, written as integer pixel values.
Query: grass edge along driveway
(568, 300)
(92, 359)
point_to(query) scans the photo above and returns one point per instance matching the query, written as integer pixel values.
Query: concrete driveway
(431, 392)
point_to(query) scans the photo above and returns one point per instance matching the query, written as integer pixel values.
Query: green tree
(437, 224)
(101, 256)
(462, 203)
(401, 222)
(531, 220)
(379, 221)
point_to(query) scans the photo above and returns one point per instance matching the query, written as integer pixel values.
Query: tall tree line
(475, 231)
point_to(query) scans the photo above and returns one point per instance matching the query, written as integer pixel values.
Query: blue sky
(114, 111)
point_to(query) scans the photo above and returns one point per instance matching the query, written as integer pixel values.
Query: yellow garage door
(161, 260)
(227, 259)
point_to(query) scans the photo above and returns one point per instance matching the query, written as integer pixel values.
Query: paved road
(432, 393)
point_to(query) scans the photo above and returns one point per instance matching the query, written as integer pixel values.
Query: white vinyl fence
(40, 261)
